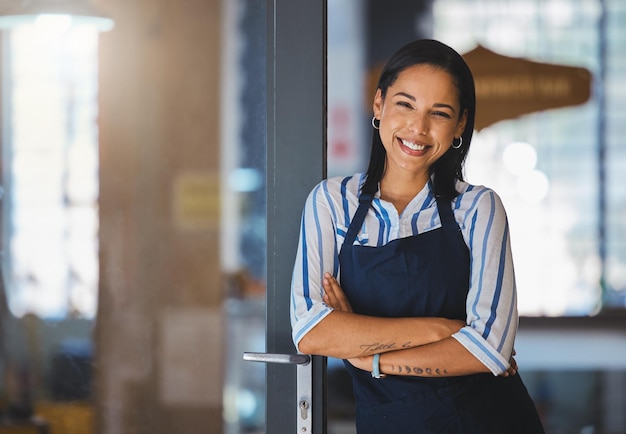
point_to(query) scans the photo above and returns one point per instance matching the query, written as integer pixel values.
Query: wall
(158, 330)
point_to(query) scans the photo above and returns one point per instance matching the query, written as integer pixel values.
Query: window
(557, 171)
(50, 169)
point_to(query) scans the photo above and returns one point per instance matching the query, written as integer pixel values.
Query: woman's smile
(412, 146)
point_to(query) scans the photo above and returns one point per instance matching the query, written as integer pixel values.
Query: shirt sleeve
(316, 254)
(491, 306)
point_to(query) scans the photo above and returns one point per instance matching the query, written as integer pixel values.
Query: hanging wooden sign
(508, 87)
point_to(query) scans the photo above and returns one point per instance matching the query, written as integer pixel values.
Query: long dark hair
(449, 167)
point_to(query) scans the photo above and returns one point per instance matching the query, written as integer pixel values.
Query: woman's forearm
(444, 358)
(347, 335)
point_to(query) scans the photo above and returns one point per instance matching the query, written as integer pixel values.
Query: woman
(424, 309)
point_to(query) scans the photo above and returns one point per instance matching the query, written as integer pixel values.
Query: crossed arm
(408, 346)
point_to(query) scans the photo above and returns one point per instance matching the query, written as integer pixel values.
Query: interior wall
(158, 330)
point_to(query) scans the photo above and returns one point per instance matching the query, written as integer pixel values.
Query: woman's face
(419, 118)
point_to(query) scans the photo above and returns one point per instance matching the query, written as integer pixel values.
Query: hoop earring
(374, 123)
(459, 145)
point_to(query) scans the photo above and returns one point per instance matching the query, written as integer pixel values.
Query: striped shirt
(491, 304)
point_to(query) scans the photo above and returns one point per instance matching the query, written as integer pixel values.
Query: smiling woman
(414, 266)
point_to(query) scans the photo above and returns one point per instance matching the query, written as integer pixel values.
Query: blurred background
(133, 188)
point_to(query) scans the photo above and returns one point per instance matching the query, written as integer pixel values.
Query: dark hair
(450, 166)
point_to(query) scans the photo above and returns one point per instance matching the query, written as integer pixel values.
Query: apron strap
(445, 212)
(365, 200)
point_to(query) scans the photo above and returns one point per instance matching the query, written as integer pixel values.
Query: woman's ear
(377, 106)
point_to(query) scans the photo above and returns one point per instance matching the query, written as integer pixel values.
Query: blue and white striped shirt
(491, 304)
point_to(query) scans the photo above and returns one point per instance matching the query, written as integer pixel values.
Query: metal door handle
(304, 383)
(288, 359)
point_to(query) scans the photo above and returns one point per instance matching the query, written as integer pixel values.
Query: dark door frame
(296, 161)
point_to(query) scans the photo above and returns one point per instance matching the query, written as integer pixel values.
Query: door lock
(304, 383)
(304, 407)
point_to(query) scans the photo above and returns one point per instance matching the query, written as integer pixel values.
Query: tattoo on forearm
(377, 347)
(418, 371)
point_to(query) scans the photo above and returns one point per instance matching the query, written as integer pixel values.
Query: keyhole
(304, 407)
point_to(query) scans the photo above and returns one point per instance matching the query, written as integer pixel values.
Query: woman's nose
(418, 125)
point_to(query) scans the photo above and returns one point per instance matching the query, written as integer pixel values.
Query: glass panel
(177, 308)
(244, 212)
(346, 81)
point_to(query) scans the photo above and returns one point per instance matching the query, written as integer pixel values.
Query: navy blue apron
(426, 275)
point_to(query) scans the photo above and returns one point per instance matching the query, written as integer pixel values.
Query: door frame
(296, 161)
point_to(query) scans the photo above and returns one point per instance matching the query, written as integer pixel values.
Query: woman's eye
(404, 104)
(442, 114)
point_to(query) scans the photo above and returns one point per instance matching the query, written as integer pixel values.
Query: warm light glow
(61, 15)
(52, 99)
(53, 25)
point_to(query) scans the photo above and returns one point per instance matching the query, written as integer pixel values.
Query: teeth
(413, 146)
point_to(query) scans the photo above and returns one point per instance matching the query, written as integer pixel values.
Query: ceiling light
(17, 12)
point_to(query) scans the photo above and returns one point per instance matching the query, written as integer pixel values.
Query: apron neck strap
(365, 201)
(445, 212)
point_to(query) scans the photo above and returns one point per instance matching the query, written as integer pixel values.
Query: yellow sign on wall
(196, 200)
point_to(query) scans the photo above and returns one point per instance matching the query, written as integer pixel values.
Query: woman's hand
(364, 363)
(334, 295)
